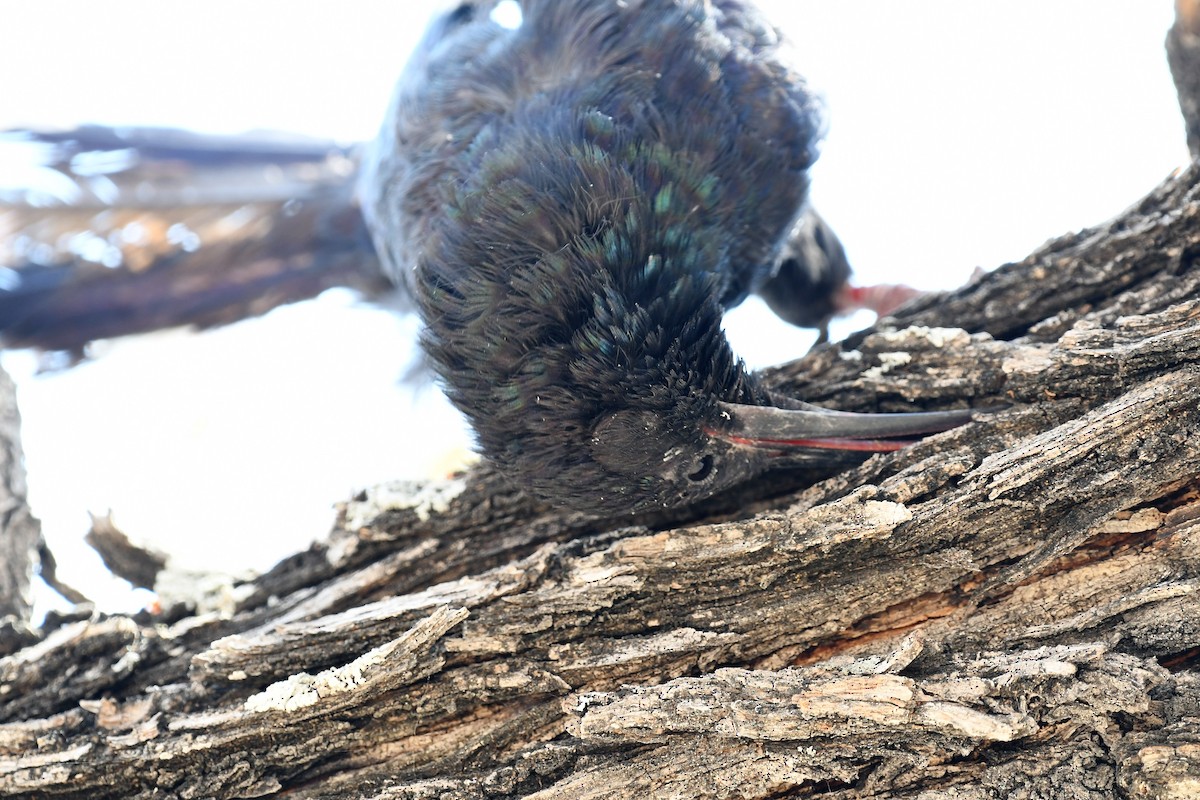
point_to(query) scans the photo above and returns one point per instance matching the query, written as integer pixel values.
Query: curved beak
(822, 429)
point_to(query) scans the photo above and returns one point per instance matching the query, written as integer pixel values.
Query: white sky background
(961, 135)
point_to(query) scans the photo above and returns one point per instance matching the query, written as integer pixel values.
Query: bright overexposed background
(961, 135)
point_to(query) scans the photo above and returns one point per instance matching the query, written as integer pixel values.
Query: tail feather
(116, 231)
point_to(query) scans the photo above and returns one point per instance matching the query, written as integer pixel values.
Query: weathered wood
(139, 565)
(20, 532)
(1010, 609)
(191, 229)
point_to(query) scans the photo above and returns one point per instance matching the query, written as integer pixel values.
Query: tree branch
(20, 533)
(1009, 607)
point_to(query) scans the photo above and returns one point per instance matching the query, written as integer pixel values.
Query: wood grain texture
(20, 532)
(1007, 609)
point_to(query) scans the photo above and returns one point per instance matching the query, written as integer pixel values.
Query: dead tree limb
(1005, 610)
(1008, 609)
(20, 534)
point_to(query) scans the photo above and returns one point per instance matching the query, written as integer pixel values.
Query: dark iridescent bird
(573, 203)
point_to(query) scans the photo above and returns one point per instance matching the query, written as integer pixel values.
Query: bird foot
(882, 298)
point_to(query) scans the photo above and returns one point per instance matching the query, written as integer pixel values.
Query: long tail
(106, 232)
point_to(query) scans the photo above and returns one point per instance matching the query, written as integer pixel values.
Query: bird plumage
(574, 203)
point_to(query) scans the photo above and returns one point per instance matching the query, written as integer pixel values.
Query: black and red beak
(815, 428)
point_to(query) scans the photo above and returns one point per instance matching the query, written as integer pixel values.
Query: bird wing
(112, 231)
(812, 270)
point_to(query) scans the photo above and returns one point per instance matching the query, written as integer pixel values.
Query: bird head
(619, 392)
(642, 459)
(618, 410)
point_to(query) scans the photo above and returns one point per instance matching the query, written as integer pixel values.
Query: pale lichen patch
(846, 519)
(303, 690)
(887, 362)
(425, 498)
(920, 337)
(1026, 360)
(209, 592)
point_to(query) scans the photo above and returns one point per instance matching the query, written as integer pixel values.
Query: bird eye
(462, 15)
(704, 468)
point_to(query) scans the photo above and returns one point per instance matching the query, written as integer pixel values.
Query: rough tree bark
(20, 533)
(1006, 610)
(23, 551)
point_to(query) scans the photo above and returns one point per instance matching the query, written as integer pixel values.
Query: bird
(574, 202)
(570, 203)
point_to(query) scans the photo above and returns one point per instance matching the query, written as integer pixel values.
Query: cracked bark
(20, 533)
(1005, 610)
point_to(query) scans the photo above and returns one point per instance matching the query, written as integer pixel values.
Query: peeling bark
(1009, 609)
(20, 533)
